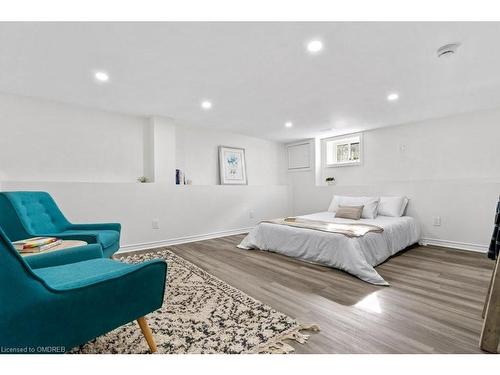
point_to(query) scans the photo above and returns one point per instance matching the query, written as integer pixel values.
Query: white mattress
(357, 256)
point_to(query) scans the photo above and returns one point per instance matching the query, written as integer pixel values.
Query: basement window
(343, 151)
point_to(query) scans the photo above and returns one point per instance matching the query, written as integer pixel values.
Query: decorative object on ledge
(232, 166)
(143, 179)
(330, 180)
(180, 177)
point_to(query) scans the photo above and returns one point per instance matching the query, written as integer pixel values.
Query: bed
(357, 256)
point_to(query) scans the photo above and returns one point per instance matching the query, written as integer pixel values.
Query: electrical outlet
(155, 224)
(437, 221)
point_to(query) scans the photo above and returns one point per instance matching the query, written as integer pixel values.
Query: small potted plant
(330, 180)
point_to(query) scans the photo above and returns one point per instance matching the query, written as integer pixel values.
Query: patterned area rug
(202, 314)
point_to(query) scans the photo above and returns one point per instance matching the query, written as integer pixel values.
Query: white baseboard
(454, 245)
(181, 240)
(200, 237)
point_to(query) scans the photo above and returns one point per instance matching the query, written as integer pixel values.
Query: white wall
(183, 212)
(164, 146)
(450, 168)
(96, 157)
(44, 140)
(197, 155)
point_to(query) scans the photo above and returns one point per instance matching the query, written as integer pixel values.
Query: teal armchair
(64, 256)
(25, 214)
(79, 297)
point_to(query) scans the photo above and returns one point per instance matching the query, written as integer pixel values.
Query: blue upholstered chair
(79, 297)
(25, 214)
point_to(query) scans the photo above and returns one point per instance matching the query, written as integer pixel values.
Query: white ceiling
(258, 75)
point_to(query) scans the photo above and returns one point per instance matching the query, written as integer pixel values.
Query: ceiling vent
(447, 50)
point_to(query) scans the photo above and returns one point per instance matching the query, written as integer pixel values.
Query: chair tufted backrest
(23, 213)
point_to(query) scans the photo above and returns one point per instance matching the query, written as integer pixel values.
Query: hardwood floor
(433, 305)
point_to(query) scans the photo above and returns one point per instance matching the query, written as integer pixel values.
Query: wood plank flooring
(433, 305)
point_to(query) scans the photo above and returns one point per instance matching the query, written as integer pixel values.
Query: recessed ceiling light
(101, 76)
(392, 97)
(206, 104)
(288, 124)
(315, 46)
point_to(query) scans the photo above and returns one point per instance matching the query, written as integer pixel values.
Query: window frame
(347, 138)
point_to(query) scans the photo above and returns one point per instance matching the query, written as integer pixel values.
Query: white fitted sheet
(358, 256)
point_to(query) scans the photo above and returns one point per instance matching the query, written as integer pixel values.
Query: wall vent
(447, 50)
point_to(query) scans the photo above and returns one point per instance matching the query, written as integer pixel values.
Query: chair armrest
(156, 269)
(89, 238)
(98, 226)
(64, 256)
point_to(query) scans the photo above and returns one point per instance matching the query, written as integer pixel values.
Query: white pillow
(369, 204)
(392, 206)
(405, 204)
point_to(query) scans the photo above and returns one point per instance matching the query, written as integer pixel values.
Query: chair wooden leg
(146, 331)
(490, 334)
(488, 293)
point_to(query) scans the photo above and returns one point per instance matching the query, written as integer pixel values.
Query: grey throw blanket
(349, 230)
(495, 239)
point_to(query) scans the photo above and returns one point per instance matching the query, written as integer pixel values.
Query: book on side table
(36, 244)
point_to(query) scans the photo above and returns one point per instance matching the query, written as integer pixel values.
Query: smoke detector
(447, 50)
